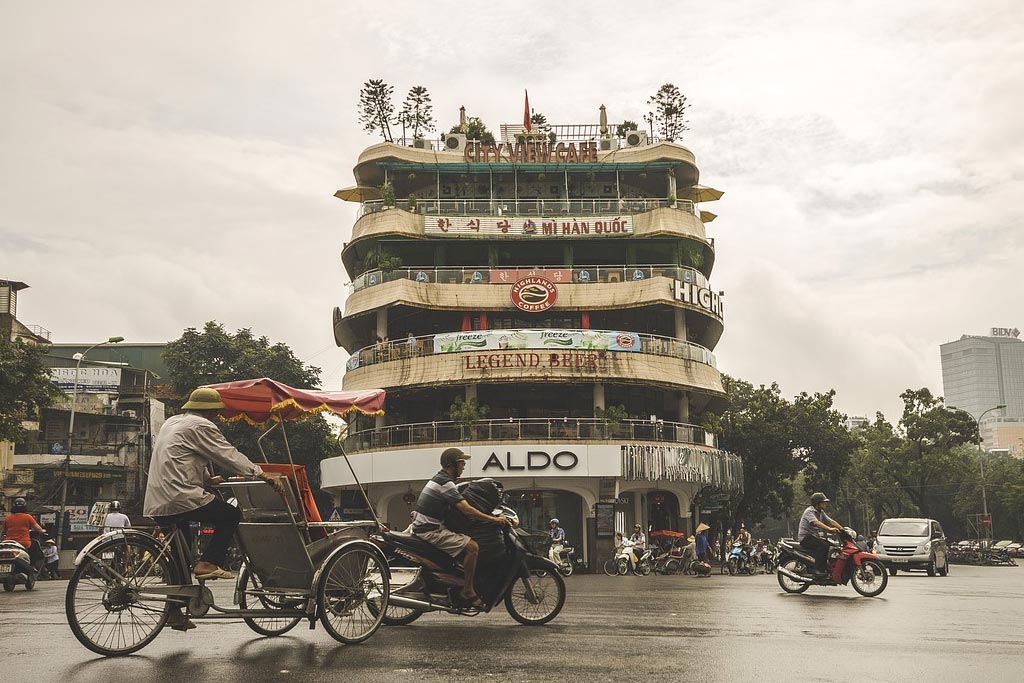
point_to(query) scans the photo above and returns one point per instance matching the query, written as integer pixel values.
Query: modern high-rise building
(982, 372)
(543, 302)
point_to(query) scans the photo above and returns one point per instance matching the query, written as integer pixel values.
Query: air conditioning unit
(422, 143)
(455, 142)
(608, 144)
(635, 138)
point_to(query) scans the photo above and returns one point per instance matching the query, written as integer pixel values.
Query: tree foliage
(214, 355)
(25, 386)
(779, 440)
(623, 128)
(476, 129)
(376, 110)
(417, 111)
(667, 112)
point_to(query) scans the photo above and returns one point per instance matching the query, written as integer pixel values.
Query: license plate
(901, 559)
(5, 568)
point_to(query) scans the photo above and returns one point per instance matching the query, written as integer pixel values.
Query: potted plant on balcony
(610, 418)
(465, 414)
(387, 194)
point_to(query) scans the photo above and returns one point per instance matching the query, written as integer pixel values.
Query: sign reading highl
(695, 295)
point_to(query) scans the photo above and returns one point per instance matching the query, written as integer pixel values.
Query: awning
(359, 193)
(707, 216)
(700, 193)
(258, 401)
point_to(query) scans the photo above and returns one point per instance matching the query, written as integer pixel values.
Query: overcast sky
(161, 166)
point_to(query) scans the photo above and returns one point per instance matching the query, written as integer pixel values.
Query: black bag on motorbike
(482, 494)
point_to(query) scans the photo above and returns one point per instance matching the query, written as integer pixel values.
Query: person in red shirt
(18, 526)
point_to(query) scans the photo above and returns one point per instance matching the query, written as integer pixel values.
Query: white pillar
(470, 393)
(684, 407)
(598, 397)
(382, 322)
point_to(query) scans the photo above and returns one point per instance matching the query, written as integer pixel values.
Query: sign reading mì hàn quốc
(463, 226)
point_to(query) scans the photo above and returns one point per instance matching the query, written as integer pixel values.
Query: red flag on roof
(526, 114)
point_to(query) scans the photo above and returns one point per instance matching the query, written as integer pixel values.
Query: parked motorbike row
(990, 557)
(762, 557)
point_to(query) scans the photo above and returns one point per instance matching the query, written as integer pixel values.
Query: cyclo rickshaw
(295, 566)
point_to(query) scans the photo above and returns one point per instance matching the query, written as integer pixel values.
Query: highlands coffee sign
(534, 294)
(695, 295)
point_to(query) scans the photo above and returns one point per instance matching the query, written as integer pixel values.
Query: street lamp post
(71, 435)
(981, 457)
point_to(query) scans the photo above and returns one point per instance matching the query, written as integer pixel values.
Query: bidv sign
(1005, 332)
(531, 461)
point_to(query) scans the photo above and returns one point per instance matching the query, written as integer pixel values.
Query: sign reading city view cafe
(463, 226)
(530, 153)
(695, 295)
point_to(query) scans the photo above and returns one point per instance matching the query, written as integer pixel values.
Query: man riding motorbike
(639, 541)
(115, 519)
(18, 526)
(557, 534)
(743, 536)
(438, 496)
(813, 523)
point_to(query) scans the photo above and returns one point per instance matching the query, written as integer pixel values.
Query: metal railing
(39, 331)
(418, 347)
(59, 447)
(549, 207)
(576, 275)
(528, 429)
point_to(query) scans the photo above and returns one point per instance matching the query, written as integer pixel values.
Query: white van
(912, 543)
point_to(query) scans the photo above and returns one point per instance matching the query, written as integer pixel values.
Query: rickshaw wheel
(266, 626)
(106, 613)
(353, 594)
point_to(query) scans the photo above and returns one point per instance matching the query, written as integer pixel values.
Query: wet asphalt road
(968, 626)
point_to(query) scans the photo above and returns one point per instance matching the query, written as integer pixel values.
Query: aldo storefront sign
(531, 460)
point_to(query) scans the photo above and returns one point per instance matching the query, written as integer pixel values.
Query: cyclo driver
(438, 496)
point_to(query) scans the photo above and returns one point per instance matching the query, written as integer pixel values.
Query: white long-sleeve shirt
(185, 447)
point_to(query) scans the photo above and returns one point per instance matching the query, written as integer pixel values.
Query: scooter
(738, 561)
(530, 585)
(564, 559)
(15, 566)
(849, 562)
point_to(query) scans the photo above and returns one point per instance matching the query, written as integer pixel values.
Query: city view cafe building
(594, 489)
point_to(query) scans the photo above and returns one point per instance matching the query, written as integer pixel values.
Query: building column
(598, 397)
(683, 414)
(382, 322)
(679, 317)
(671, 184)
(470, 393)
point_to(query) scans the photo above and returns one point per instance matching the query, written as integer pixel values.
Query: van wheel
(892, 571)
(8, 585)
(931, 566)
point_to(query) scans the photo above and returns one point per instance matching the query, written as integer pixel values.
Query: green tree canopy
(417, 111)
(376, 110)
(214, 355)
(25, 386)
(476, 129)
(668, 112)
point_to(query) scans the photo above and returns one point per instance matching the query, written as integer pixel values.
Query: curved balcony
(550, 340)
(503, 276)
(552, 207)
(527, 429)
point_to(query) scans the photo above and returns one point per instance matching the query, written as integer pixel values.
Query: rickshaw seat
(274, 545)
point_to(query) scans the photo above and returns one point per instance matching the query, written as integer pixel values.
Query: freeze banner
(649, 462)
(555, 340)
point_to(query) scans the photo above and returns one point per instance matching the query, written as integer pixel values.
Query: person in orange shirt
(18, 527)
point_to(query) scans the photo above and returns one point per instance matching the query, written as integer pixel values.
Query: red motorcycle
(849, 562)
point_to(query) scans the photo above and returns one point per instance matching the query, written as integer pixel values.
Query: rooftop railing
(501, 276)
(528, 429)
(418, 347)
(548, 207)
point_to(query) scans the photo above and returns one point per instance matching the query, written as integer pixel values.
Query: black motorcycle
(507, 571)
(16, 566)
